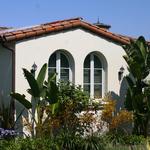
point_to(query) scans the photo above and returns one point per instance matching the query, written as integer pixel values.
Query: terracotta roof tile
(47, 28)
(37, 28)
(19, 36)
(30, 34)
(9, 34)
(9, 38)
(19, 32)
(39, 32)
(59, 28)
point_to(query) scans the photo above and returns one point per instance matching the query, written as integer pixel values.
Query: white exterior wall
(79, 44)
(5, 73)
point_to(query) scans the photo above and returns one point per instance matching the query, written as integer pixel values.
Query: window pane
(86, 88)
(87, 62)
(52, 60)
(64, 76)
(64, 61)
(97, 62)
(86, 75)
(51, 71)
(97, 91)
(97, 76)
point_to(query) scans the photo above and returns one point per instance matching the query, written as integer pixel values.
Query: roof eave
(60, 26)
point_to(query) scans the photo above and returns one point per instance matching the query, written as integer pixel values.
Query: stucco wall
(5, 73)
(79, 44)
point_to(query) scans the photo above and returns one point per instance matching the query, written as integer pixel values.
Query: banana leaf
(35, 91)
(41, 76)
(21, 98)
(52, 93)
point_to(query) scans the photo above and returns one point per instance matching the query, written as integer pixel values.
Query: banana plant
(43, 93)
(138, 60)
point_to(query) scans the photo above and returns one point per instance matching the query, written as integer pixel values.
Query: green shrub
(28, 144)
(68, 141)
(114, 137)
(65, 141)
(134, 140)
(127, 147)
(93, 143)
(71, 101)
(122, 138)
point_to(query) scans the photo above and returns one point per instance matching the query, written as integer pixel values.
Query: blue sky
(128, 17)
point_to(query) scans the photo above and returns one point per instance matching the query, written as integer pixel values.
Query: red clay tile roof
(24, 33)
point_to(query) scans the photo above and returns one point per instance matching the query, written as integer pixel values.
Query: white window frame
(92, 76)
(58, 66)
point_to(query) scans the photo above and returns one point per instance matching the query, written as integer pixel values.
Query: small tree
(44, 94)
(137, 98)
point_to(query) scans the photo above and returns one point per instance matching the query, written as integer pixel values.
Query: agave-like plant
(42, 93)
(6, 121)
(138, 60)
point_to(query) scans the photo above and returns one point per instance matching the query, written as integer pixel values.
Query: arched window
(93, 76)
(59, 63)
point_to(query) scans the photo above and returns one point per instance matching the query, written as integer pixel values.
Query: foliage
(70, 92)
(88, 120)
(43, 93)
(115, 120)
(122, 138)
(67, 141)
(134, 140)
(6, 119)
(28, 144)
(55, 106)
(71, 102)
(93, 143)
(137, 100)
(127, 147)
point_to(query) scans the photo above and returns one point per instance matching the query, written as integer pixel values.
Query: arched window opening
(93, 76)
(59, 63)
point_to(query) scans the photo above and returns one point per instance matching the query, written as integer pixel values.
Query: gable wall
(79, 44)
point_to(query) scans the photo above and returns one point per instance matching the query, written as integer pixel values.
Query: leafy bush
(116, 120)
(68, 141)
(28, 144)
(64, 141)
(134, 140)
(93, 143)
(6, 114)
(114, 137)
(122, 138)
(71, 102)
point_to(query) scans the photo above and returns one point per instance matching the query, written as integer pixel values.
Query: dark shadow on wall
(122, 94)
(21, 112)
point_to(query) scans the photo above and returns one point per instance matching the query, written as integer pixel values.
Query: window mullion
(58, 66)
(92, 75)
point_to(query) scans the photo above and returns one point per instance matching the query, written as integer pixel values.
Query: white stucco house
(86, 54)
